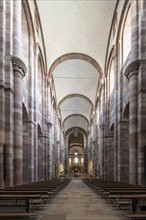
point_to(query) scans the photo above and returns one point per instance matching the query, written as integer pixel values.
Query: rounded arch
(76, 147)
(29, 19)
(121, 20)
(76, 115)
(80, 56)
(71, 130)
(120, 37)
(75, 144)
(75, 95)
(110, 57)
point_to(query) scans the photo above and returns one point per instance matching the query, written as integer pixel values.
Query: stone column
(36, 51)
(42, 163)
(123, 151)
(17, 28)
(131, 73)
(90, 157)
(118, 108)
(40, 157)
(28, 168)
(56, 139)
(49, 151)
(19, 70)
(134, 30)
(85, 155)
(44, 156)
(58, 158)
(2, 136)
(35, 151)
(31, 91)
(109, 143)
(2, 89)
(142, 95)
(102, 127)
(94, 158)
(66, 155)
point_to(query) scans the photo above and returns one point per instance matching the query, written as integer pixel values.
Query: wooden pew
(120, 194)
(29, 201)
(13, 215)
(16, 206)
(136, 216)
(23, 200)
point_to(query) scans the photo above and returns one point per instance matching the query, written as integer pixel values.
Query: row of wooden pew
(131, 198)
(23, 201)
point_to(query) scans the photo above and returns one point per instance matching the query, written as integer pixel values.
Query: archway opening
(76, 154)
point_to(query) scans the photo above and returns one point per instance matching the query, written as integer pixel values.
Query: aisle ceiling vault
(76, 38)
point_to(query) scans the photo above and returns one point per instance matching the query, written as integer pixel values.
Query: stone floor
(78, 202)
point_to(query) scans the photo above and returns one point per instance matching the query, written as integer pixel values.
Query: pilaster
(19, 71)
(132, 73)
(49, 155)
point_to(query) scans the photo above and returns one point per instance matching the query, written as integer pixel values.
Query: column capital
(133, 67)
(19, 65)
(102, 125)
(49, 124)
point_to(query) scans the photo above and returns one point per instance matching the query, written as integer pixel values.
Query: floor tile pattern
(78, 202)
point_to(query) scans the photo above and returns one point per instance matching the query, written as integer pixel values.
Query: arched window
(126, 36)
(25, 38)
(76, 160)
(40, 85)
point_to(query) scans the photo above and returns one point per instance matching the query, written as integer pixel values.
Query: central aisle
(78, 202)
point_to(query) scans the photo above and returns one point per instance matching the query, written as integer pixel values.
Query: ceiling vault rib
(75, 95)
(76, 115)
(79, 56)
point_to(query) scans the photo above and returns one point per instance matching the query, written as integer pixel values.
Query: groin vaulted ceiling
(76, 38)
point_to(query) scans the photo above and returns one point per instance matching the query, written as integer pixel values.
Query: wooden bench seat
(136, 216)
(23, 200)
(25, 191)
(14, 215)
(121, 195)
(22, 203)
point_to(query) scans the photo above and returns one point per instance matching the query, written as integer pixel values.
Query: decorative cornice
(132, 68)
(19, 64)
